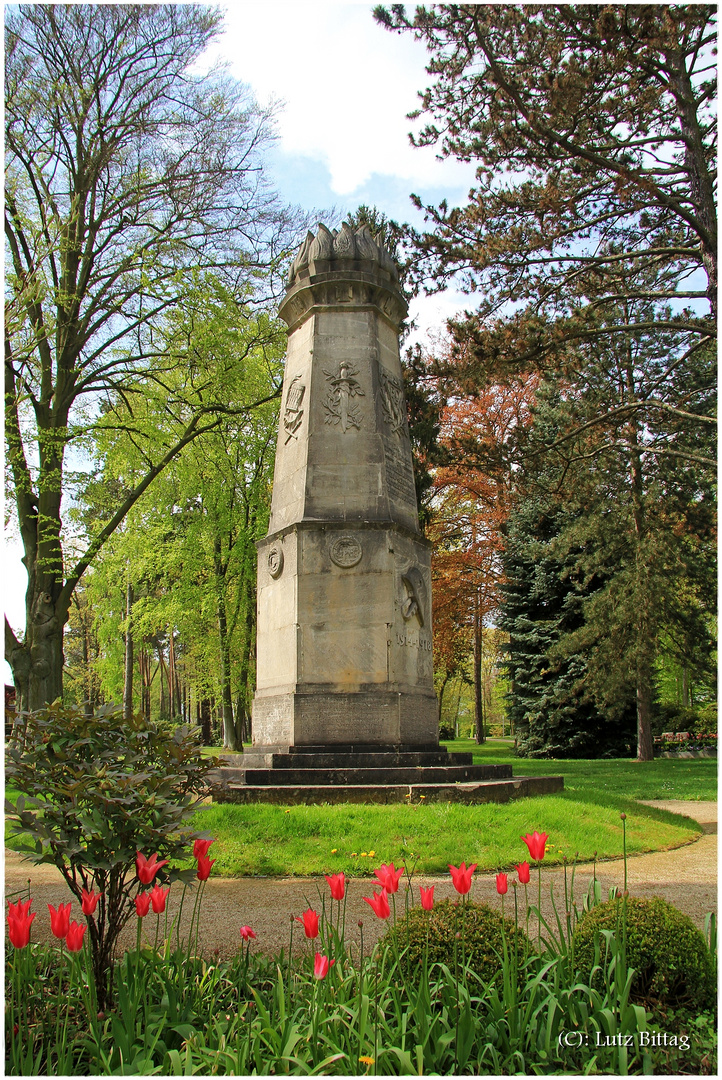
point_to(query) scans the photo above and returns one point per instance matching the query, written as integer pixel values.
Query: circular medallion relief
(275, 561)
(345, 551)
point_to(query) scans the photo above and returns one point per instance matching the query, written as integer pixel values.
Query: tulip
(536, 843)
(379, 903)
(310, 923)
(74, 938)
(388, 877)
(142, 904)
(461, 877)
(200, 848)
(247, 933)
(204, 867)
(427, 897)
(19, 927)
(321, 965)
(158, 897)
(19, 910)
(60, 919)
(147, 868)
(90, 901)
(523, 871)
(337, 885)
(502, 884)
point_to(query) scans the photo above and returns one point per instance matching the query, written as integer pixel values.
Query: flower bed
(518, 1006)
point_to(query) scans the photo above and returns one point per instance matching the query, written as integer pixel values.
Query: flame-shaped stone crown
(335, 250)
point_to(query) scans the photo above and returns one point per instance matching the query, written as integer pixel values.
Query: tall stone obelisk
(344, 576)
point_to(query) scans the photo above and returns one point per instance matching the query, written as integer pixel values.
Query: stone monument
(344, 575)
(345, 692)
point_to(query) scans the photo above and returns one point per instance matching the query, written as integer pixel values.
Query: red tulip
(74, 938)
(200, 847)
(247, 933)
(337, 885)
(19, 910)
(142, 904)
(19, 926)
(90, 901)
(158, 897)
(502, 884)
(60, 919)
(204, 867)
(310, 923)
(388, 877)
(461, 877)
(427, 897)
(379, 903)
(536, 843)
(321, 965)
(147, 868)
(523, 871)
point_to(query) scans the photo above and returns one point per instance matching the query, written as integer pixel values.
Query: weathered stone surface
(483, 792)
(344, 575)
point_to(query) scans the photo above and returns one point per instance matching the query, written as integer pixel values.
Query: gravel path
(686, 876)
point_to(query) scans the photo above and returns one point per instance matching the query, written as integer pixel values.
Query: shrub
(672, 963)
(93, 791)
(481, 927)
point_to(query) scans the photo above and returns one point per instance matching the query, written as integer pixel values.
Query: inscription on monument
(392, 403)
(399, 477)
(411, 642)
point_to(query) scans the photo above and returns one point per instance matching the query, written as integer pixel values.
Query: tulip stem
(539, 914)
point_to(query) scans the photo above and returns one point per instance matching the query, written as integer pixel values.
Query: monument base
(328, 719)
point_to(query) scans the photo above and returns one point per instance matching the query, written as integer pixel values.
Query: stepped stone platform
(367, 774)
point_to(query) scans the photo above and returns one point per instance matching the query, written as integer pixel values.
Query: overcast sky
(344, 86)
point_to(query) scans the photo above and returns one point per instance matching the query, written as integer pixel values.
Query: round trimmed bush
(481, 928)
(669, 954)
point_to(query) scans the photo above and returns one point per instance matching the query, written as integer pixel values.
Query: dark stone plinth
(358, 773)
(488, 791)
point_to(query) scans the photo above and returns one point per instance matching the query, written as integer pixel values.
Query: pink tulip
(461, 877)
(147, 868)
(427, 897)
(337, 885)
(310, 923)
(74, 938)
(247, 933)
(142, 904)
(388, 877)
(158, 898)
(379, 903)
(321, 966)
(90, 901)
(536, 843)
(60, 919)
(523, 871)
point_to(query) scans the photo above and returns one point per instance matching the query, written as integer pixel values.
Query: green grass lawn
(311, 840)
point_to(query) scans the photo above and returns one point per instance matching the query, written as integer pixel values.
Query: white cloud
(346, 84)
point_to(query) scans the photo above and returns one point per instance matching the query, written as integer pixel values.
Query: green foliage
(549, 701)
(472, 931)
(93, 791)
(670, 957)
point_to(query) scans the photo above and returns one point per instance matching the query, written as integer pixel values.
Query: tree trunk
(128, 673)
(37, 662)
(205, 722)
(479, 732)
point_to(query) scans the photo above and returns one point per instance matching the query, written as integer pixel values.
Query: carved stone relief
(293, 414)
(415, 597)
(345, 552)
(392, 403)
(275, 561)
(342, 388)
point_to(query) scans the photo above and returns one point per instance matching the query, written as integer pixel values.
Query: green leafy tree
(126, 172)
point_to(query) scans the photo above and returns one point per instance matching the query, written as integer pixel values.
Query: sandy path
(686, 876)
